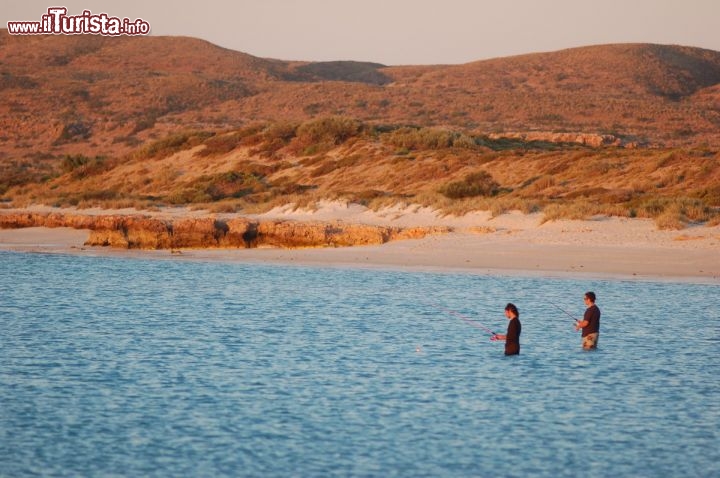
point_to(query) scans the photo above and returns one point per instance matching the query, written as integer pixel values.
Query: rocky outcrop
(587, 139)
(146, 232)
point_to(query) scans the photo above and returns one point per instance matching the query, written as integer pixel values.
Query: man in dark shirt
(590, 324)
(512, 338)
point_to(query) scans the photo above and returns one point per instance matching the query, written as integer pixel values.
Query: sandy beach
(513, 243)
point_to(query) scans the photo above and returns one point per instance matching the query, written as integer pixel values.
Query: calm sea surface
(128, 367)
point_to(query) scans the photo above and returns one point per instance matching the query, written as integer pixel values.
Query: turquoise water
(128, 367)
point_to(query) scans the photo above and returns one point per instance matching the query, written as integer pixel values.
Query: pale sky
(401, 32)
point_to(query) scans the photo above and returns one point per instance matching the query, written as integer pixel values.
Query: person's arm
(511, 329)
(581, 324)
(591, 313)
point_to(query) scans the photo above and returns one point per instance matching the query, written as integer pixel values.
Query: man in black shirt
(512, 338)
(590, 324)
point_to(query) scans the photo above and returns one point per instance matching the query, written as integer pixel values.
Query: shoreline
(511, 244)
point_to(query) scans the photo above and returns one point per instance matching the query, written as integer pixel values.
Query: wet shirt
(512, 342)
(592, 316)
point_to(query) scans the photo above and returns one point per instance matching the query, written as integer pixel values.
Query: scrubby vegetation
(79, 165)
(216, 187)
(266, 164)
(171, 144)
(480, 183)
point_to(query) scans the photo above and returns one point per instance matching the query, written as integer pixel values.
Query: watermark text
(58, 22)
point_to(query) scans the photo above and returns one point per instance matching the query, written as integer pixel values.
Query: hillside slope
(150, 121)
(256, 168)
(97, 95)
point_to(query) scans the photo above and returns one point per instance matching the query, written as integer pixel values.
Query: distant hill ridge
(101, 95)
(629, 129)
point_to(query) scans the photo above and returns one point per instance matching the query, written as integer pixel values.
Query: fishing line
(564, 311)
(547, 300)
(465, 319)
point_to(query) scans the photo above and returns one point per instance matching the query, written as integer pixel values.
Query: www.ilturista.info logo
(58, 22)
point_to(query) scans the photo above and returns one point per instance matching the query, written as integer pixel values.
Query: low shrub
(74, 131)
(171, 144)
(73, 161)
(324, 133)
(81, 166)
(220, 144)
(410, 138)
(216, 187)
(480, 183)
(671, 218)
(283, 131)
(575, 210)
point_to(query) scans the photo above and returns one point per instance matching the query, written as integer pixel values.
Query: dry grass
(231, 171)
(580, 209)
(172, 144)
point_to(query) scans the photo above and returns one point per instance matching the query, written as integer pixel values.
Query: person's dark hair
(591, 296)
(513, 309)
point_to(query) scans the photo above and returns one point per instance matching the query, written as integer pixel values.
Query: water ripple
(163, 368)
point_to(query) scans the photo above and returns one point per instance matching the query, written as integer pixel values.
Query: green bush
(74, 131)
(420, 138)
(480, 183)
(326, 132)
(73, 161)
(274, 137)
(172, 144)
(216, 187)
(81, 166)
(145, 122)
(410, 138)
(283, 131)
(220, 144)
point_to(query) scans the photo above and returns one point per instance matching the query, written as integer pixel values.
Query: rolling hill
(153, 120)
(109, 94)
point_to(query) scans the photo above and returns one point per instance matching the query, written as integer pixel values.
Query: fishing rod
(549, 301)
(564, 311)
(465, 319)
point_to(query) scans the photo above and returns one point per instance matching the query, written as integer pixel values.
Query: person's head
(511, 311)
(590, 298)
